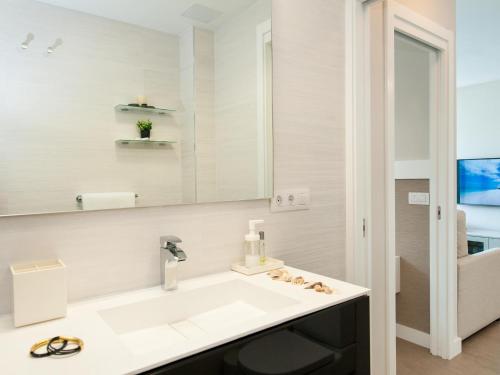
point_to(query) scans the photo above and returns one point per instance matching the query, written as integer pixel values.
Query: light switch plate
(291, 200)
(419, 198)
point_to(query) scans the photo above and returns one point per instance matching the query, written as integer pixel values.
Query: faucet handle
(166, 241)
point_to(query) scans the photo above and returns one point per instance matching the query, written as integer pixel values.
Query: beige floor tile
(480, 356)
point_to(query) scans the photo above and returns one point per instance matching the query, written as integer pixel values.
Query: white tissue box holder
(39, 291)
(271, 264)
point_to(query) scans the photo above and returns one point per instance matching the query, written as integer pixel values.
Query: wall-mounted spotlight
(29, 39)
(56, 44)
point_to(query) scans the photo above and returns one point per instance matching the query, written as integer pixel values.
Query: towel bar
(79, 198)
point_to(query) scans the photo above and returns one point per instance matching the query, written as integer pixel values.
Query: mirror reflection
(113, 104)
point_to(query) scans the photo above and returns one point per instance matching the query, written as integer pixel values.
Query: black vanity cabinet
(343, 329)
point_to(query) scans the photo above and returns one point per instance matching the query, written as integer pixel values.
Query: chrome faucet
(170, 256)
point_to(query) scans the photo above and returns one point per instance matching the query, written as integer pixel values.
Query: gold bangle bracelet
(70, 340)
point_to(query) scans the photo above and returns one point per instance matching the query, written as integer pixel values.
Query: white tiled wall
(205, 121)
(186, 58)
(235, 103)
(118, 250)
(226, 106)
(59, 123)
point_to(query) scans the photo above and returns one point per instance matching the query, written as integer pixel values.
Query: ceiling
(161, 15)
(478, 41)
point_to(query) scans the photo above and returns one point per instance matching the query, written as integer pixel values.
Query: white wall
(118, 250)
(477, 36)
(440, 11)
(478, 135)
(60, 141)
(478, 121)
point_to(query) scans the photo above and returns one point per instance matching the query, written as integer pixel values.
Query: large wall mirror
(125, 103)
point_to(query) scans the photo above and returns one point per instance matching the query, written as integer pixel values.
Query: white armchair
(478, 285)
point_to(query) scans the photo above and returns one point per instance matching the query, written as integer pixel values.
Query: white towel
(102, 201)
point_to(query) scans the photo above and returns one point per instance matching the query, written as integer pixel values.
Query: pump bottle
(252, 242)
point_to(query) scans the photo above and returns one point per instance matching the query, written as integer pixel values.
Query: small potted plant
(145, 127)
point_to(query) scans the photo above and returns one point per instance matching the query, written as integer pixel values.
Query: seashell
(282, 277)
(285, 277)
(298, 280)
(327, 290)
(275, 273)
(312, 285)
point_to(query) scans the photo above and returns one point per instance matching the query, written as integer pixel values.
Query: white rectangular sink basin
(161, 322)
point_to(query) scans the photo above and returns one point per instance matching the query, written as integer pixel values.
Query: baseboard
(414, 336)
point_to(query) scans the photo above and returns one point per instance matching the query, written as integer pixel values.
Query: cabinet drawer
(335, 327)
(343, 328)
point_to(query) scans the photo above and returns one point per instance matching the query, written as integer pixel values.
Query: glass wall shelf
(132, 108)
(144, 142)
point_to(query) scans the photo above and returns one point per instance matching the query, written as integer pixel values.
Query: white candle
(141, 99)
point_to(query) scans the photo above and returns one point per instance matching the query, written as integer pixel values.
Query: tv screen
(479, 182)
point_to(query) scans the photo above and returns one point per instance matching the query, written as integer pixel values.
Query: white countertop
(106, 353)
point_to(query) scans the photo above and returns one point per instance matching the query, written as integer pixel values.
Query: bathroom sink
(160, 322)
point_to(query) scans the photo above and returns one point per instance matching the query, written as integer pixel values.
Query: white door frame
(356, 120)
(443, 272)
(443, 259)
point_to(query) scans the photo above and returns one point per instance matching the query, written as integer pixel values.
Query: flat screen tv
(478, 182)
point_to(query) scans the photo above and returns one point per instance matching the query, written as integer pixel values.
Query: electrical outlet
(290, 200)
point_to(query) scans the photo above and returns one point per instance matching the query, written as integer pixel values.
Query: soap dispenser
(252, 242)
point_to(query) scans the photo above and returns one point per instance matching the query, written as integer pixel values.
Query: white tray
(271, 264)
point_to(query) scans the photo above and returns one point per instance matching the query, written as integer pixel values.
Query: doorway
(378, 25)
(437, 44)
